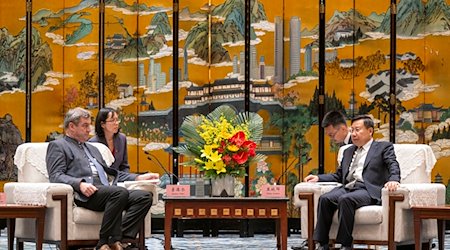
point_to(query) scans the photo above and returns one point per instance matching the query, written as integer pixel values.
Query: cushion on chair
(85, 216)
(367, 215)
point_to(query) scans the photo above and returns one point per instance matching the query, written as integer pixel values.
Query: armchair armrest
(317, 188)
(28, 193)
(148, 185)
(417, 194)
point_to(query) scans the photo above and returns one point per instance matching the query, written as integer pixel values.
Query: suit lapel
(347, 160)
(372, 150)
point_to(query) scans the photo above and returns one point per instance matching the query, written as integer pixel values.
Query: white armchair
(391, 223)
(65, 223)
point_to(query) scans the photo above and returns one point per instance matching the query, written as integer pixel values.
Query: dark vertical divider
(29, 84)
(175, 88)
(393, 71)
(247, 78)
(101, 54)
(321, 111)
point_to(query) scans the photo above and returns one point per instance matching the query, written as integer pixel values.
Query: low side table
(13, 211)
(441, 213)
(227, 208)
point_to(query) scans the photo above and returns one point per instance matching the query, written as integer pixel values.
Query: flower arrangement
(223, 142)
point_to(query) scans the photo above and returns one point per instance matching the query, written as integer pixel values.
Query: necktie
(350, 178)
(100, 170)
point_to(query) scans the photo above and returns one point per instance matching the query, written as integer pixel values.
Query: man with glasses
(72, 161)
(335, 126)
(366, 167)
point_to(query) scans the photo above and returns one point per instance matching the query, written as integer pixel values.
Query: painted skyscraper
(235, 65)
(160, 76)
(253, 63)
(185, 57)
(262, 66)
(241, 63)
(151, 78)
(141, 74)
(294, 46)
(278, 62)
(308, 58)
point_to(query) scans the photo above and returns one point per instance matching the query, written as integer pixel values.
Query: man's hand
(392, 185)
(87, 189)
(147, 176)
(311, 178)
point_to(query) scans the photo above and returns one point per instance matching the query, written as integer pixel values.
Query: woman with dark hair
(107, 132)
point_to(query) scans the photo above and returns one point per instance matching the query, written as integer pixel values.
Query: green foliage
(447, 193)
(445, 115)
(331, 103)
(303, 73)
(294, 126)
(407, 126)
(128, 126)
(153, 132)
(365, 108)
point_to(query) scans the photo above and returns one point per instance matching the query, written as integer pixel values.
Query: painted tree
(111, 87)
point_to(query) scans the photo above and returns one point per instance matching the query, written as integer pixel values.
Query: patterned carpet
(198, 242)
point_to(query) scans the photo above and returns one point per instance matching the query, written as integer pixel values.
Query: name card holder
(178, 190)
(273, 191)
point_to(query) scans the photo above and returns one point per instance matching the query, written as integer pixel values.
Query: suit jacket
(67, 163)
(380, 167)
(120, 151)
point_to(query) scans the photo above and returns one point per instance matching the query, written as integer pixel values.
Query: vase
(222, 186)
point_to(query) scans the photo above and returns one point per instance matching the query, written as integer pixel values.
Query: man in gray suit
(72, 161)
(365, 168)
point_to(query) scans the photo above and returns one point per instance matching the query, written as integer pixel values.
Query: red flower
(250, 147)
(222, 146)
(238, 139)
(241, 157)
(226, 159)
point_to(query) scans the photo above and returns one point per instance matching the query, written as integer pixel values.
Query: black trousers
(346, 201)
(113, 200)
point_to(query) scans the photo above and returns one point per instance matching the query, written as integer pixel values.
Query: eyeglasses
(113, 121)
(356, 130)
(333, 134)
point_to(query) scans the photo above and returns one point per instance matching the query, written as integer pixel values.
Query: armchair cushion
(366, 215)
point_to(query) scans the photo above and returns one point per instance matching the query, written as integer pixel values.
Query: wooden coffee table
(13, 211)
(441, 213)
(226, 208)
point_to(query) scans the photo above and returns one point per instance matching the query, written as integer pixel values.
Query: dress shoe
(116, 246)
(131, 247)
(103, 247)
(346, 248)
(322, 247)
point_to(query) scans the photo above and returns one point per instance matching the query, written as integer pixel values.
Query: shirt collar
(347, 138)
(367, 145)
(72, 140)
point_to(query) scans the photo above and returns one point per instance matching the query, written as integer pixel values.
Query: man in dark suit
(72, 161)
(365, 168)
(335, 127)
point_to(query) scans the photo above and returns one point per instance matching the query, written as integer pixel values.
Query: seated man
(72, 161)
(365, 168)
